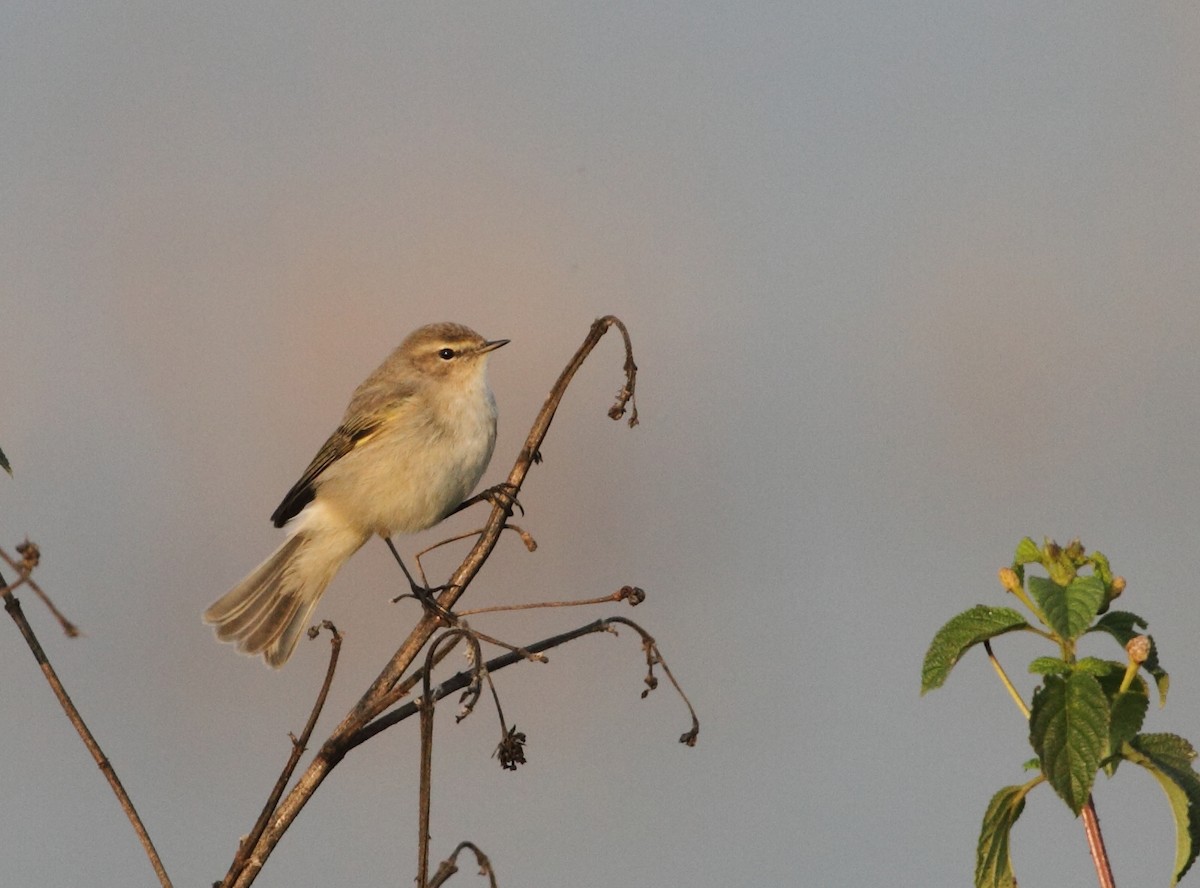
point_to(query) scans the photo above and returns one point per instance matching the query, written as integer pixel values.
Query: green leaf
(1169, 758)
(1097, 667)
(1069, 610)
(4, 463)
(1128, 712)
(1068, 729)
(1049, 666)
(962, 632)
(1101, 568)
(1123, 626)
(1027, 553)
(993, 862)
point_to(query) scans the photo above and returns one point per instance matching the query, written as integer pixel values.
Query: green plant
(1086, 715)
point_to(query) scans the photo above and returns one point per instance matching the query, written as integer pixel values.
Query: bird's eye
(446, 354)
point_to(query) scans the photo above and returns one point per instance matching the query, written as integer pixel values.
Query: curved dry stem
(461, 680)
(13, 606)
(375, 699)
(524, 535)
(299, 745)
(489, 639)
(449, 866)
(653, 657)
(446, 640)
(633, 594)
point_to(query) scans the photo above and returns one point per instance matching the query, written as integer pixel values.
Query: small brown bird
(415, 440)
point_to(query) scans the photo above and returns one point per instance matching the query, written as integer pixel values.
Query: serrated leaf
(1069, 610)
(4, 463)
(1097, 667)
(1068, 729)
(961, 633)
(1027, 553)
(1122, 625)
(993, 861)
(1032, 765)
(1170, 750)
(1049, 666)
(1123, 621)
(1127, 714)
(1169, 759)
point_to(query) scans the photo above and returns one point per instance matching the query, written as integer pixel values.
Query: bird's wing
(350, 434)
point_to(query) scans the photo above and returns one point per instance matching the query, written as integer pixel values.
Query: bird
(414, 441)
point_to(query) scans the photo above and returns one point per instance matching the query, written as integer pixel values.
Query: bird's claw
(503, 495)
(432, 606)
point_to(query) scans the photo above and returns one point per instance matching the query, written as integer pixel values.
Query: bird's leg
(502, 494)
(423, 594)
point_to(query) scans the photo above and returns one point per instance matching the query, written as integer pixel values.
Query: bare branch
(463, 679)
(426, 705)
(13, 606)
(299, 745)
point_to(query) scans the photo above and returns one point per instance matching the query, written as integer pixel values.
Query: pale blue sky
(906, 282)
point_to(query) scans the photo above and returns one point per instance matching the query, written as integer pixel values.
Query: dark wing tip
(297, 498)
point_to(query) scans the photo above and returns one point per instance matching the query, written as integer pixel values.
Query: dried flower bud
(1118, 586)
(1138, 648)
(633, 594)
(1009, 579)
(511, 750)
(30, 555)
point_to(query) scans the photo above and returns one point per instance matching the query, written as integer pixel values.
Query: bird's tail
(266, 612)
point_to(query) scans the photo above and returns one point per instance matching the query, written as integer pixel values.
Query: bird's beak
(492, 346)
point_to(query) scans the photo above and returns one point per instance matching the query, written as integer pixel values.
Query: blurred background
(906, 282)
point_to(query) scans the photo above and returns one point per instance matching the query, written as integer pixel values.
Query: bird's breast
(422, 463)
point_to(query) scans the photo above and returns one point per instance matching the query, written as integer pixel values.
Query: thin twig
(426, 706)
(449, 866)
(632, 594)
(489, 639)
(373, 701)
(526, 538)
(13, 606)
(655, 656)
(1005, 680)
(463, 679)
(426, 794)
(69, 628)
(299, 744)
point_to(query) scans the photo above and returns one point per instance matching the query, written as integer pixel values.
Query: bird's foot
(425, 595)
(502, 494)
